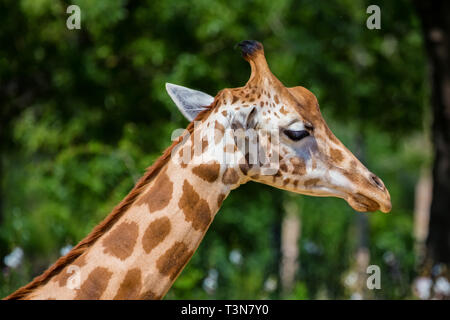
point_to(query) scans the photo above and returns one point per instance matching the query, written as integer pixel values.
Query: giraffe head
(292, 137)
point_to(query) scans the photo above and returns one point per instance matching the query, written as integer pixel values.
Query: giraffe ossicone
(262, 132)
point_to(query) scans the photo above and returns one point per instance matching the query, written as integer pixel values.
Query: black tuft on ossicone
(249, 47)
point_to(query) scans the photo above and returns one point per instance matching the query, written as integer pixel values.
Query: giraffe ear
(190, 102)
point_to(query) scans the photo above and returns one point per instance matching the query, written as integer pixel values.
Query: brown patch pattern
(175, 258)
(207, 171)
(159, 195)
(131, 285)
(95, 284)
(299, 166)
(195, 210)
(311, 182)
(155, 233)
(244, 167)
(336, 155)
(230, 176)
(121, 241)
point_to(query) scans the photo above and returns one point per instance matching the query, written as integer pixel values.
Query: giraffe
(140, 248)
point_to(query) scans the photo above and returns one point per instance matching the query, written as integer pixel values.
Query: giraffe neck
(145, 250)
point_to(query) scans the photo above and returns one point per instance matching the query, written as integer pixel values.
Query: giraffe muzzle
(372, 198)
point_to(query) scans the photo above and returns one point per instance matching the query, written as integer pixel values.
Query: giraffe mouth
(362, 203)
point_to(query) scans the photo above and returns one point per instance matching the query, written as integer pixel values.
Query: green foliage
(86, 112)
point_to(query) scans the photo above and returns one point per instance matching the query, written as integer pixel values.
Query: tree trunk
(435, 18)
(422, 206)
(290, 235)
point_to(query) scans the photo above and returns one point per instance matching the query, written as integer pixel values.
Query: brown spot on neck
(95, 284)
(195, 210)
(155, 233)
(159, 195)
(172, 262)
(230, 176)
(207, 171)
(121, 240)
(131, 285)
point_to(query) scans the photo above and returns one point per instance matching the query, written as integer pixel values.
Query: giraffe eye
(296, 135)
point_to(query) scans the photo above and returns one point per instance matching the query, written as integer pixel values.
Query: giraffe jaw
(358, 201)
(362, 203)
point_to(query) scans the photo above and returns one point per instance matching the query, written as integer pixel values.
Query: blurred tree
(435, 15)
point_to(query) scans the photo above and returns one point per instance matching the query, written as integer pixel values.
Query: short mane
(111, 219)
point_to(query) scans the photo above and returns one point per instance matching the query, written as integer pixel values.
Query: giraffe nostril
(377, 181)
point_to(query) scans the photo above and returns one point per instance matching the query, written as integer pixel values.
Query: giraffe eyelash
(309, 126)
